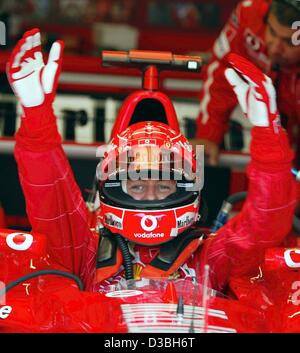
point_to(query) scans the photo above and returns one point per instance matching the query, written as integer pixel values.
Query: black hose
(126, 256)
(227, 205)
(241, 196)
(237, 197)
(42, 273)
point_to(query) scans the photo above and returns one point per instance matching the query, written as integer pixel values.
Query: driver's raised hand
(255, 92)
(34, 82)
(257, 97)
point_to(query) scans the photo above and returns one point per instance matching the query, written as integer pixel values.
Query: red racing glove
(257, 97)
(255, 92)
(34, 84)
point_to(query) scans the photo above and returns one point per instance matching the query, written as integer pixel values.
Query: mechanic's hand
(33, 82)
(211, 150)
(254, 90)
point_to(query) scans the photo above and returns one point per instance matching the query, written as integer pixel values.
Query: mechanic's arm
(267, 214)
(217, 100)
(54, 202)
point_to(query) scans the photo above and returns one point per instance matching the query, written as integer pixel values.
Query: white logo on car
(288, 259)
(25, 245)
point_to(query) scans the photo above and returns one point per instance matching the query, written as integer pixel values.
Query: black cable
(222, 216)
(42, 273)
(126, 256)
(227, 205)
(237, 197)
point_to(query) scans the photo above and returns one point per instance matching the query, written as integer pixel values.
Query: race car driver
(122, 244)
(264, 32)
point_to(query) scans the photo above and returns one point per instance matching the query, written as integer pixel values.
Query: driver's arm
(267, 214)
(54, 203)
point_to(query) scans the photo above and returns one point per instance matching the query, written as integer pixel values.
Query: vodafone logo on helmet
(149, 223)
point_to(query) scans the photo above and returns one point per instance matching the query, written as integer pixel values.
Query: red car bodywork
(265, 302)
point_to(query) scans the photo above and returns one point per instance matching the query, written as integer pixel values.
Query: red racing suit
(244, 34)
(56, 208)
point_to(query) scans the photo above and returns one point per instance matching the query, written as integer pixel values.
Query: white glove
(255, 92)
(33, 82)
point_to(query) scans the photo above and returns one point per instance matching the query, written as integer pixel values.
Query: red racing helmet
(149, 183)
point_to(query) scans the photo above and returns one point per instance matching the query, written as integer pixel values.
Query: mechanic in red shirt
(261, 31)
(148, 226)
